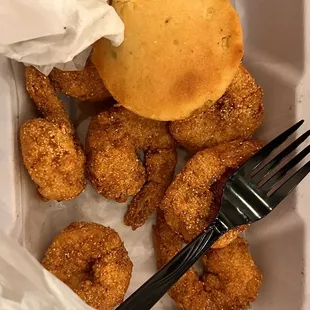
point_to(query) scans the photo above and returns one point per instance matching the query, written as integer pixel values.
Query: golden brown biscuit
(236, 115)
(177, 56)
(92, 260)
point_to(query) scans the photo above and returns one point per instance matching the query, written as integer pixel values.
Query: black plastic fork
(248, 196)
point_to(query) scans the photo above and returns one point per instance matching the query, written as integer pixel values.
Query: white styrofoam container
(277, 52)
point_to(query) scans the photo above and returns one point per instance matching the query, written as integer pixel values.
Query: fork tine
(289, 185)
(253, 163)
(267, 186)
(275, 161)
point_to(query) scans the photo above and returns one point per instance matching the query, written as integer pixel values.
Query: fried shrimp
(231, 279)
(51, 152)
(188, 292)
(92, 260)
(231, 276)
(188, 204)
(85, 85)
(235, 116)
(114, 169)
(160, 165)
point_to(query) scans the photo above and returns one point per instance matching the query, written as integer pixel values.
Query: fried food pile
(51, 152)
(231, 279)
(177, 80)
(92, 260)
(236, 115)
(131, 156)
(114, 169)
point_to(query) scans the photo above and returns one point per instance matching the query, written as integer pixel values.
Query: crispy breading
(188, 292)
(187, 204)
(51, 151)
(231, 276)
(85, 84)
(52, 160)
(92, 260)
(44, 96)
(236, 115)
(160, 165)
(231, 279)
(229, 237)
(114, 169)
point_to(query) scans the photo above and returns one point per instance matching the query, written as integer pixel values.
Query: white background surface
(277, 41)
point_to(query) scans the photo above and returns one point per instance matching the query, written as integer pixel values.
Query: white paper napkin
(56, 33)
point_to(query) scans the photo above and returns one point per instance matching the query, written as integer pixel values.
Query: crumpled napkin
(56, 33)
(25, 285)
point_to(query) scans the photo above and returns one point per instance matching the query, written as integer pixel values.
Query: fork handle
(156, 287)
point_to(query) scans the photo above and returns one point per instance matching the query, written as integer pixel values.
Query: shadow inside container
(278, 242)
(277, 246)
(280, 101)
(274, 29)
(274, 54)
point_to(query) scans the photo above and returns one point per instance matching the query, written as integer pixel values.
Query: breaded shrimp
(188, 292)
(85, 85)
(92, 260)
(160, 165)
(51, 152)
(188, 202)
(231, 276)
(231, 279)
(235, 116)
(114, 169)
